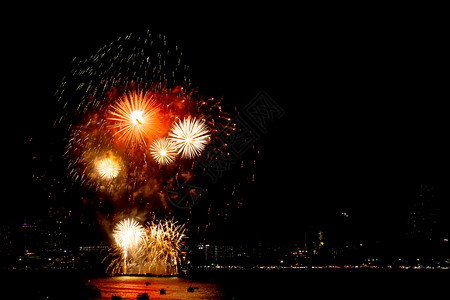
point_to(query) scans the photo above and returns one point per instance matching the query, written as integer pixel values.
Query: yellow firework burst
(129, 237)
(108, 167)
(153, 248)
(128, 234)
(134, 118)
(163, 151)
(190, 136)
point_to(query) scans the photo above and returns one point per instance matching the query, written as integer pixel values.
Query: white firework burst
(190, 136)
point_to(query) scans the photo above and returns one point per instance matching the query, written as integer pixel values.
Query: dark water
(359, 284)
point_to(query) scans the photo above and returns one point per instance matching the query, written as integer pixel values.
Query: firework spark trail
(153, 248)
(129, 236)
(143, 59)
(164, 239)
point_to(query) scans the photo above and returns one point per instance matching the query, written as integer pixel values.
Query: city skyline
(58, 240)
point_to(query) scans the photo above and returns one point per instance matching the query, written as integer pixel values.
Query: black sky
(363, 93)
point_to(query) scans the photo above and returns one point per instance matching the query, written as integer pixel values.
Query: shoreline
(225, 269)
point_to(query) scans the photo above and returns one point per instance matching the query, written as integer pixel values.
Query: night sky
(365, 120)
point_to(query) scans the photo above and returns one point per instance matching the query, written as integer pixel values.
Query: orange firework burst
(190, 136)
(163, 151)
(134, 117)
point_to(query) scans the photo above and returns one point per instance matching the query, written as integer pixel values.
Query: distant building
(34, 239)
(6, 241)
(224, 253)
(58, 227)
(206, 254)
(423, 214)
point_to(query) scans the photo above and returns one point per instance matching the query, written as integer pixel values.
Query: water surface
(128, 287)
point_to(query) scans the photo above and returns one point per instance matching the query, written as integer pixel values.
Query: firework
(130, 109)
(134, 117)
(152, 249)
(163, 151)
(190, 136)
(128, 234)
(129, 238)
(90, 155)
(143, 59)
(133, 98)
(164, 245)
(108, 168)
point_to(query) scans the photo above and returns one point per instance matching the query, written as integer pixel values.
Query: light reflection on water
(128, 287)
(254, 284)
